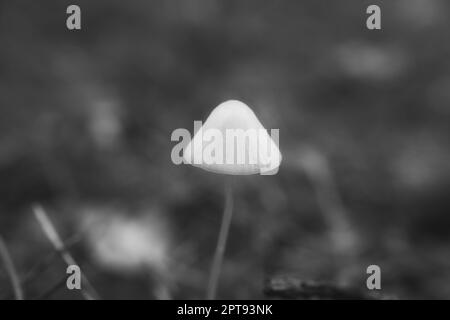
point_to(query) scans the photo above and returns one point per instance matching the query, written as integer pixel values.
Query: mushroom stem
(221, 243)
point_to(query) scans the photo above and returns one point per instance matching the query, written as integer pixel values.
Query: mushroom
(232, 141)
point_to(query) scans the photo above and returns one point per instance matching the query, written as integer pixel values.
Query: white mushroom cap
(233, 141)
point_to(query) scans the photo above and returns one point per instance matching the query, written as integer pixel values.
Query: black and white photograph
(244, 152)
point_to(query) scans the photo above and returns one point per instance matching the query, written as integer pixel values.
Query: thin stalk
(89, 293)
(11, 270)
(221, 243)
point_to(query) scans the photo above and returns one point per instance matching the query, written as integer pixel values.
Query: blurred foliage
(87, 117)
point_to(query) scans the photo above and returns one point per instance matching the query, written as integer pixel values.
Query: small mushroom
(232, 141)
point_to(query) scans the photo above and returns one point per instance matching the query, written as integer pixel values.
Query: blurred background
(85, 126)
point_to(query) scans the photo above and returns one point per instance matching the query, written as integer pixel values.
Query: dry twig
(287, 287)
(88, 291)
